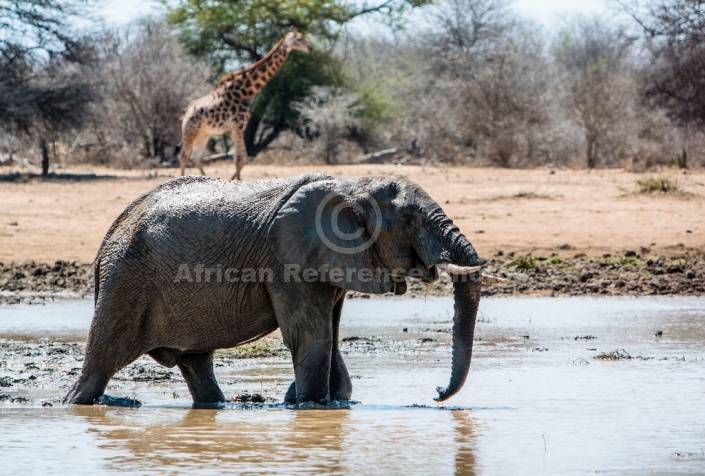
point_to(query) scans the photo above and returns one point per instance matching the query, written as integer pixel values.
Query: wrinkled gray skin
(144, 306)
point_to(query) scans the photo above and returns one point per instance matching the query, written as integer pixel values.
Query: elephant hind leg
(197, 369)
(89, 387)
(98, 368)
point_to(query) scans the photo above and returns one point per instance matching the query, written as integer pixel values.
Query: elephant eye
(407, 220)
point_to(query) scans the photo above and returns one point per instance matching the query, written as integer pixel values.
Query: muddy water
(537, 401)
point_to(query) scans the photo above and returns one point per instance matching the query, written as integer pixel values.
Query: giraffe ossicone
(225, 109)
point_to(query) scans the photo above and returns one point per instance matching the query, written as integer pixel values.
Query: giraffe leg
(184, 155)
(239, 153)
(200, 151)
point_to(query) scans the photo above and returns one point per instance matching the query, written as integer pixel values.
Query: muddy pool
(557, 386)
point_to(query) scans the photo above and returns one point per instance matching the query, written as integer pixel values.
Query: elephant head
(369, 235)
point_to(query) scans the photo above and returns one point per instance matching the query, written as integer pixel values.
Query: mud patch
(631, 274)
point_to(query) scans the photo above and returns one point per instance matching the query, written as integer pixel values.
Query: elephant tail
(96, 278)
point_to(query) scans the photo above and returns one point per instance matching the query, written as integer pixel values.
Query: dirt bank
(632, 273)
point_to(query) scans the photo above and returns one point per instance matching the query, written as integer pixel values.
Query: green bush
(525, 262)
(663, 185)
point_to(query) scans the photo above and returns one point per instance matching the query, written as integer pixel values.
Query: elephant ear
(321, 235)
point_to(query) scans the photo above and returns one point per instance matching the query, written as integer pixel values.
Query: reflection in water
(361, 440)
(465, 443)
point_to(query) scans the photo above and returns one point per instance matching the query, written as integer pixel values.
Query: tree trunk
(684, 158)
(591, 153)
(44, 149)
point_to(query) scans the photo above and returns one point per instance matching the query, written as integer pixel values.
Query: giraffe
(224, 110)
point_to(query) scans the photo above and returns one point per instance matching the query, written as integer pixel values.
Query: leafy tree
(42, 91)
(235, 33)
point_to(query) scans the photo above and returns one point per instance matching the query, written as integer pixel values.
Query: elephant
(199, 264)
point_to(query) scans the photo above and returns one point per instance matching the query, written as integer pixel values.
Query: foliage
(555, 259)
(663, 185)
(478, 86)
(524, 263)
(473, 85)
(38, 29)
(243, 30)
(44, 100)
(273, 108)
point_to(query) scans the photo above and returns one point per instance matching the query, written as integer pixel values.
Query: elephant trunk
(467, 301)
(464, 268)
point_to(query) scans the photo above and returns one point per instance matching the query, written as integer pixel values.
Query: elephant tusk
(451, 268)
(487, 279)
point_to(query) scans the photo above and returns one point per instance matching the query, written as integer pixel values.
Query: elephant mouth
(434, 274)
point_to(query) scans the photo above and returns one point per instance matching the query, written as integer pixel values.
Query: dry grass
(261, 348)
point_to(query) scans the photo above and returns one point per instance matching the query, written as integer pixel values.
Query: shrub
(525, 262)
(663, 185)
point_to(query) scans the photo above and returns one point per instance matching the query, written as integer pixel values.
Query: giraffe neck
(249, 81)
(262, 71)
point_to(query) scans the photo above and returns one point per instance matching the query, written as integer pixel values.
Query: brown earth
(655, 242)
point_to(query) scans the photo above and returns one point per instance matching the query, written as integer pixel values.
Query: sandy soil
(541, 211)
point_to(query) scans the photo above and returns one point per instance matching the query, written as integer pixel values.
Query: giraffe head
(296, 41)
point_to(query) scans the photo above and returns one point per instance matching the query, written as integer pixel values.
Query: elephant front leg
(312, 372)
(310, 344)
(340, 384)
